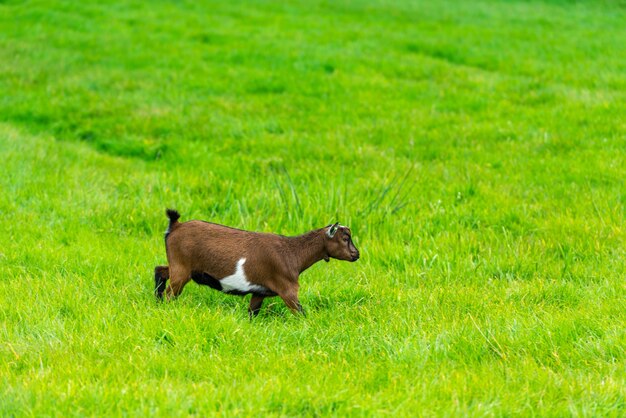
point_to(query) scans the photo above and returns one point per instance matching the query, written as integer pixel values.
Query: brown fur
(273, 261)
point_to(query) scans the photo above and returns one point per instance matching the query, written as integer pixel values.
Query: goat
(240, 262)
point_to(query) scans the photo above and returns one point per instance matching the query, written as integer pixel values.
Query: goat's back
(216, 249)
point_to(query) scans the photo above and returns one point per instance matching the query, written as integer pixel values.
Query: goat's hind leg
(179, 277)
(161, 274)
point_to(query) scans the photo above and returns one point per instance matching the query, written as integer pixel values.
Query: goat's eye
(346, 239)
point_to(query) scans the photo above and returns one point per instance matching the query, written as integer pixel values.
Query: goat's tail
(174, 216)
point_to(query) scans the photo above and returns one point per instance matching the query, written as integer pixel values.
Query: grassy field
(477, 150)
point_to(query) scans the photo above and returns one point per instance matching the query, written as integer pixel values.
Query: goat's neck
(308, 249)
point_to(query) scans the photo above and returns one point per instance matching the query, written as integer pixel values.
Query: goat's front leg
(289, 294)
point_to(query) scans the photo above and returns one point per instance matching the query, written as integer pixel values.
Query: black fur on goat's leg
(161, 274)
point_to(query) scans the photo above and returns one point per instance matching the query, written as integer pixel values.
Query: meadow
(476, 149)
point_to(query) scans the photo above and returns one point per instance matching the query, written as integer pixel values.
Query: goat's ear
(332, 230)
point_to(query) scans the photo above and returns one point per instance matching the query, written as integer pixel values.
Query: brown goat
(240, 262)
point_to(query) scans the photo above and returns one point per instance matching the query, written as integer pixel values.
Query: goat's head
(339, 245)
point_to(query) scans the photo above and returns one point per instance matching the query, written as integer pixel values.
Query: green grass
(477, 150)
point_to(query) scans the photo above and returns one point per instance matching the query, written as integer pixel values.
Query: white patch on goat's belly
(238, 282)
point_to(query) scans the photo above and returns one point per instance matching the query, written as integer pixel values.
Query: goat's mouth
(355, 257)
